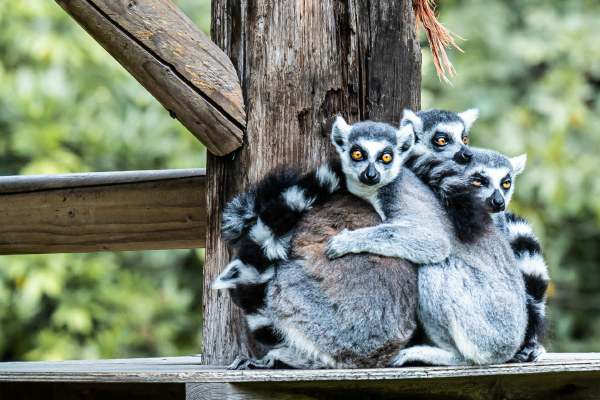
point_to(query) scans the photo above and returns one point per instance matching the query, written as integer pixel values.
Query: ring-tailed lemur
(471, 304)
(456, 345)
(271, 209)
(494, 174)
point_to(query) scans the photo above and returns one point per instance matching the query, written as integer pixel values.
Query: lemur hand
(339, 245)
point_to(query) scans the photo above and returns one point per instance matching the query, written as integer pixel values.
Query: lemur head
(444, 132)
(371, 153)
(493, 174)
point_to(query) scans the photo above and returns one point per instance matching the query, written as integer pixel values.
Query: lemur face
(444, 132)
(372, 153)
(493, 174)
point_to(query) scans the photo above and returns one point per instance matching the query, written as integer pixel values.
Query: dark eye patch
(358, 148)
(438, 138)
(481, 178)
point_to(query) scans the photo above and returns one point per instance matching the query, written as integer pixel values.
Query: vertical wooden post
(300, 63)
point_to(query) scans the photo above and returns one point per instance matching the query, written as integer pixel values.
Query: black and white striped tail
(446, 179)
(259, 223)
(528, 253)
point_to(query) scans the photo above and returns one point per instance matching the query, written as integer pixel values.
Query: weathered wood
(91, 391)
(300, 63)
(557, 376)
(190, 369)
(580, 386)
(107, 211)
(173, 60)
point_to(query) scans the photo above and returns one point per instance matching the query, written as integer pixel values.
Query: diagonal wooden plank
(174, 61)
(107, 211)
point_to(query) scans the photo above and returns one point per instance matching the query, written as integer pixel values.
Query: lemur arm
(420, 245)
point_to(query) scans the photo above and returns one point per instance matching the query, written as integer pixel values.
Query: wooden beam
(162, 48)
(105, 211)
(557, 376)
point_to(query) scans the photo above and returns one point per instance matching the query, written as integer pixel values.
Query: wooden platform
(564, 376)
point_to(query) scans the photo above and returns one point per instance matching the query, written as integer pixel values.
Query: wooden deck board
(190, 370)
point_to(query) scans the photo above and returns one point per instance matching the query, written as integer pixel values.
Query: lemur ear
(409, 117)
(469, 117)
(518, 163)
(339, 133)
(405, 137)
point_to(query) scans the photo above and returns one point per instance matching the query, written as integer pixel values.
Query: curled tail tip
(237, 216)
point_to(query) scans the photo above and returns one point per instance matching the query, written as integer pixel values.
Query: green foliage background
(532, 67)
(67, 106)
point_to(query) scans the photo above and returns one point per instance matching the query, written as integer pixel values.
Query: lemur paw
(338, 245)
(529, 353)
(243, 363)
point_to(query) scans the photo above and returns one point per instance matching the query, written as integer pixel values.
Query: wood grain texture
(91, 391)
(111, 211)
(580, 386)
(557, 376)
(162, 48)
(300, 64)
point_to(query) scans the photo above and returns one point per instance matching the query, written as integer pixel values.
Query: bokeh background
(532, 67)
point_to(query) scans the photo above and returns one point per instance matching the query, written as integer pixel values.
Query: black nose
(463, 156)
(496, 202)
(370, 176)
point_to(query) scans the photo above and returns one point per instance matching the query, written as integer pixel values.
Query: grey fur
(472, 304)
(356, 311)
(476, 291)
(410, 231)
(495, 167)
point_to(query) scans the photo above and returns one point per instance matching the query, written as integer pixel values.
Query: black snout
(463, 156)
(496, 202)
(370, 176)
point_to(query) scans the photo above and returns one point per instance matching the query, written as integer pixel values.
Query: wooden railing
(105, 211)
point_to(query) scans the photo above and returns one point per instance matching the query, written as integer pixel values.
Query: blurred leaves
(532, 68)
(67, 106)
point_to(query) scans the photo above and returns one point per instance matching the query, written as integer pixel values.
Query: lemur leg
(427, 354)
(413, 243)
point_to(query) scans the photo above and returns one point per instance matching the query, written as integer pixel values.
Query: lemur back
(366, 304)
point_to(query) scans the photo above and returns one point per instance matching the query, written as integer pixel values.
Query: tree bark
(300, 63)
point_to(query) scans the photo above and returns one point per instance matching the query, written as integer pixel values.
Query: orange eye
(466, 140)
(506, 184)
(386, 158)
(476, 182)
(441, 141)
(357, 155)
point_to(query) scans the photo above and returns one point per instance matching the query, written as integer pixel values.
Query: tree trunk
(300, 64)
